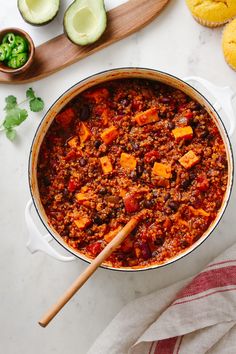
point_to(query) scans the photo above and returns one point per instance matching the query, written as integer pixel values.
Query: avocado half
(38, 12)
(85, 21)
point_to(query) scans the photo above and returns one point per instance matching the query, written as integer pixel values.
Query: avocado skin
(66, 33)
(38, 24)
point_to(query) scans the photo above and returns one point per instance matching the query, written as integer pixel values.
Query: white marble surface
(173, 42)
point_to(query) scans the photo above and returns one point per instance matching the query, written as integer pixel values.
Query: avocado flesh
(38, 12)
(85, 21)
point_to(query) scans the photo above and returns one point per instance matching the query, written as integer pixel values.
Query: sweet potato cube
(82, 223)
(127, 161)
(162, 170)
(84, 133)
(110, 235)
(73, 142)
(106, 164)
(199, 212)
(81, 197)
(146, 117)
(183, 133)
(189, 159)
(109, 134)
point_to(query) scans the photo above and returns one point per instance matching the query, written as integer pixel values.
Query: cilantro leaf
(36, 105)
(14, 117)
(11, 102)
(11, 134)
(30, 93)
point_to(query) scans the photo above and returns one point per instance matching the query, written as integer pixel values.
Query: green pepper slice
(2, 53)
(21, 59)
(20, 45)
(12, 63)
(7, 49)
(9, 39)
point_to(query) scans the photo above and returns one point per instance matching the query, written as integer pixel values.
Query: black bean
(97, 143)
(82, 162)
(184, 244)
(192, 175)
(204, 134)
(218, 204)
(84, 112)
(135, 146)
(149, 203)
(65, 192)
(155, 193)
(173, 205)
(165, 99)
(124, 102)
(171, 125)
(174, 176)
(139, 170)
(46, 181)
(166, 197)
(185, 183)
(159, 241)
(98, 220)
(162, 115)
(102, 191)
(106, 218)
(133, 175)
(194, 122)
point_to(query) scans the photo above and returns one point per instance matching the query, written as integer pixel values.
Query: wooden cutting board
(59, 52)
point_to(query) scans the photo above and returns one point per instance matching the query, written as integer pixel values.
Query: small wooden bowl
(4, 68)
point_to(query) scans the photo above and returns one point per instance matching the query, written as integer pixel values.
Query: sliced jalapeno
(20, 45)
(7, 49)
(9, 38)
(12, 63)
(21, 59)
(2, 53)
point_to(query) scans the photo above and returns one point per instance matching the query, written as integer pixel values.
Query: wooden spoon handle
(78, 283)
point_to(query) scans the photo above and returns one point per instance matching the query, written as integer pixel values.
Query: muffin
(212, 13)
(229, 44)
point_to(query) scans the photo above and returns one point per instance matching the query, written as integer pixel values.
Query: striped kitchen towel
(194, 316)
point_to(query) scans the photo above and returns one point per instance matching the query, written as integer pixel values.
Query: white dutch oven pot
(222, 97)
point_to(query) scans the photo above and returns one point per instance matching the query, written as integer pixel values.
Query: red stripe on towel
(177, 352)
(201, 297)
(211, 279)
(166, 346)
(222, 262)
(151, 348)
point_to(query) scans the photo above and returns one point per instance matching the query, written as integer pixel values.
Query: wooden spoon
(79, 282)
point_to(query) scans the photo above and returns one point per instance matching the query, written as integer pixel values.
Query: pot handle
(224, 97)
(38, 242)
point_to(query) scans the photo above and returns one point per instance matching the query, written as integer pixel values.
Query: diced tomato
(70, 155)
(188, 114)
(64, 118)
(202, 182)
(151, 156)
(214, 131)
(127, 245)
(72, 185)
(145, 250)
(98, 95)
(131, 203)
(95, 248)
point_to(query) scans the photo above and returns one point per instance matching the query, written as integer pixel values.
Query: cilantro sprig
(15, 115)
